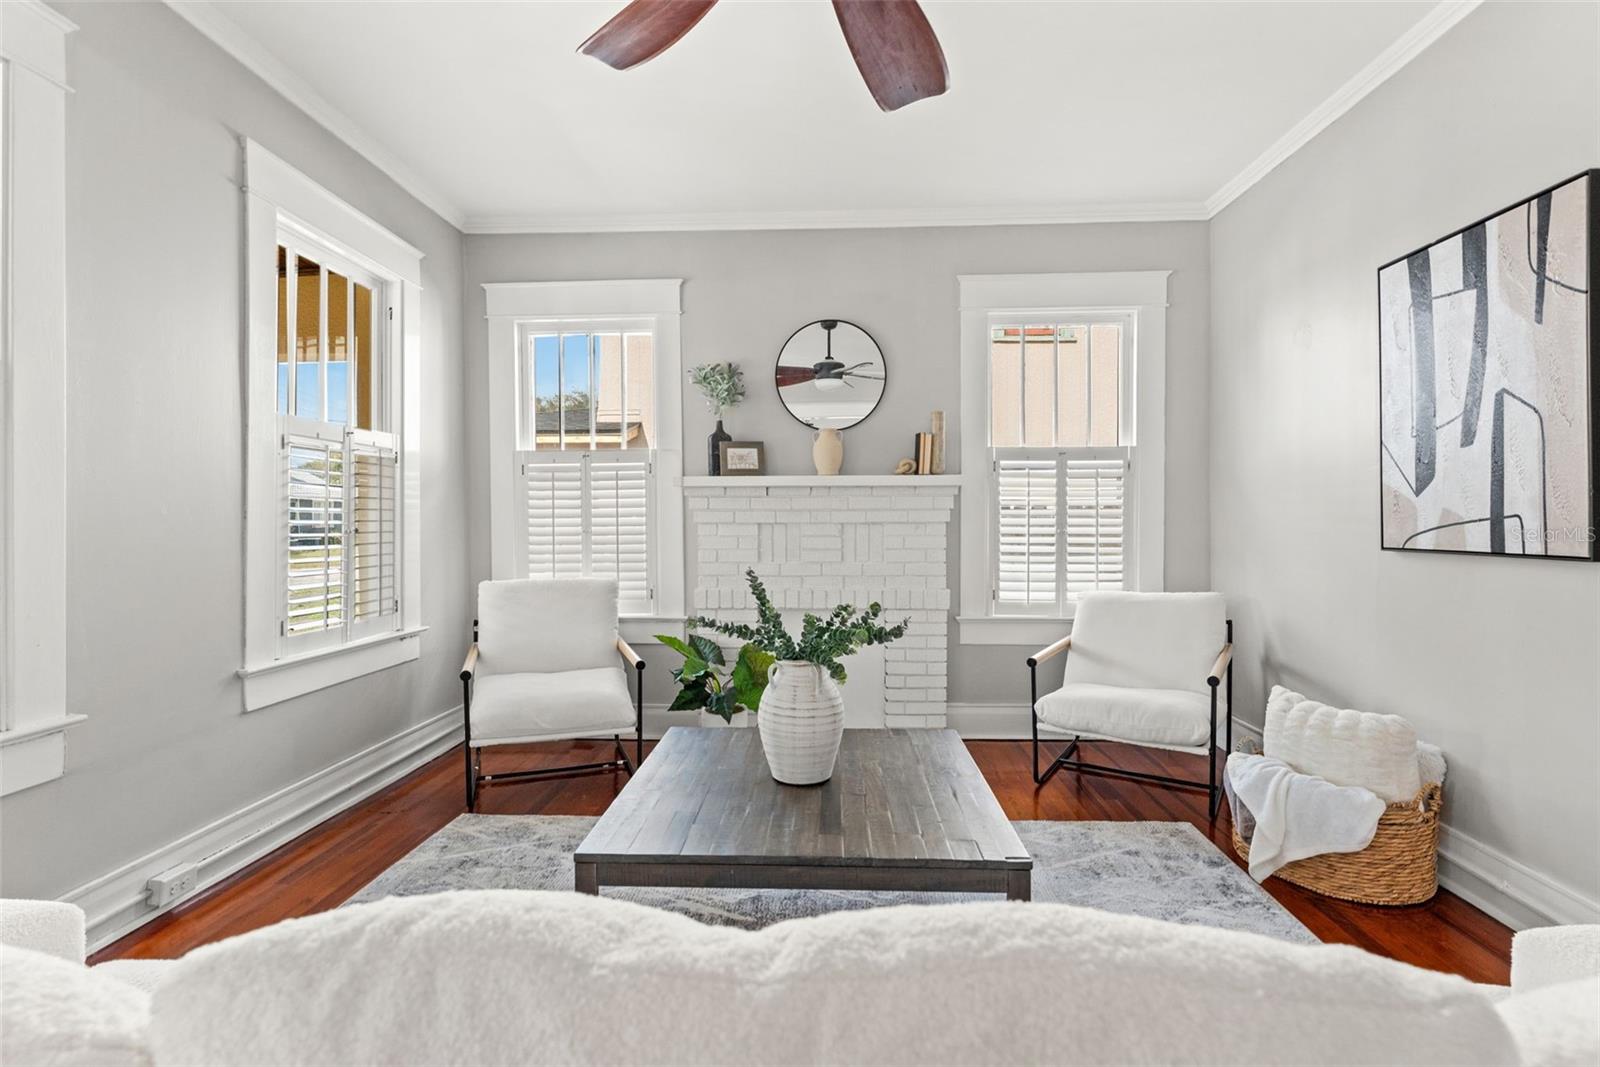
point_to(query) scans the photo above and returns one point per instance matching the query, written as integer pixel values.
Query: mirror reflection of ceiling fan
(894, 47)
(830, 373)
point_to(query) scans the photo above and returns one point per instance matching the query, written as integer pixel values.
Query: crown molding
(838, 220)
(1408, 46)
(212, 22)
(207, 17)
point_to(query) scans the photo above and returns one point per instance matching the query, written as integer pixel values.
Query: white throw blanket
(1298, 815)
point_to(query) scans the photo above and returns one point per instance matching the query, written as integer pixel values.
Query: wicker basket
(1401, 866)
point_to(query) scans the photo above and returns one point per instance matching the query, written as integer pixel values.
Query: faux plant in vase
(722, 384)
(705, 683)
(802, 714)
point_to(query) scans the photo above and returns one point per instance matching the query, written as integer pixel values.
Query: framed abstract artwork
(1487, 383)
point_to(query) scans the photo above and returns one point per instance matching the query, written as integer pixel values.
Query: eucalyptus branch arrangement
(823, 640)
(722, 384)
(703, 683)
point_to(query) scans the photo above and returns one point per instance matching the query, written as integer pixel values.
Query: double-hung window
(586, 454)
(332, 575)
(1060, 461)
(585, 432)
(34, 712)
(1062, 401)
(340, 506)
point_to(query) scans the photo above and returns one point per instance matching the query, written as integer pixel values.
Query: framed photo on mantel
(743, 458)
(1487, 382)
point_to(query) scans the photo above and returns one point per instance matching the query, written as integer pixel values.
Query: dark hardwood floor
(325, 866)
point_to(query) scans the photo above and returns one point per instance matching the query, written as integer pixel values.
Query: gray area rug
(1163, 870)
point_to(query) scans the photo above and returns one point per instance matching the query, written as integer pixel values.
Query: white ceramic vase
(801, 722)
(827, 452)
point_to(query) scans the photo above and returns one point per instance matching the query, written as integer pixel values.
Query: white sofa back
(522, 977)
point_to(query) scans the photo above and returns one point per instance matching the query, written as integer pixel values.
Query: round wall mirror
(830, 374)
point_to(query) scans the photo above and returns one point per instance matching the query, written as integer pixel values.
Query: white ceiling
(758, 117)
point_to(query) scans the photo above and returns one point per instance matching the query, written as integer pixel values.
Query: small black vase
(714, 460)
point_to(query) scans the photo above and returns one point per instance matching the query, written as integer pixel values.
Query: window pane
(1072, 398)
(575, 388)
(307, 334)
(1038, 385)
(1005, 387)
(641, 414)
(283, 330)
(1105, 364)
(367, 408)
(546, 391)
(608, 421)
(339, 343)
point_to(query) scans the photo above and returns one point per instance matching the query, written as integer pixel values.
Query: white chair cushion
(548, 624)
(532, 707)
(1148, 716)
(1146, 640)
(1347, 747)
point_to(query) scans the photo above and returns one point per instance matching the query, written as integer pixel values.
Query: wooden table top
(897, 798)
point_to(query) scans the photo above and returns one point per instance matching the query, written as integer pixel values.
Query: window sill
(1030, 631)
(34, 754)
(285, 679)
(642, 629)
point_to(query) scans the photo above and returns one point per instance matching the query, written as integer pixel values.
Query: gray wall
(155, 467)
(1494, 659)
(744, 293)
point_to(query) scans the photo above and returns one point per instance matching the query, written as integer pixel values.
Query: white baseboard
(1506, 889)
(115, 903)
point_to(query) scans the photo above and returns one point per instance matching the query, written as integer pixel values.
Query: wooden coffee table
(904, 810)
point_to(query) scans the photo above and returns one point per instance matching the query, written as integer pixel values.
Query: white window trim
(511, 306)
(276, 193)
(1057, 297)
(33, 503)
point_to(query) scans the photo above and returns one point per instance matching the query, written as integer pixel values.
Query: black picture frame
(758, 447)
(1590, 360)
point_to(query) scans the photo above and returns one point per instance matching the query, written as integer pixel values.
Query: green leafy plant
(722, 384)
(704, 682)
(823, 640)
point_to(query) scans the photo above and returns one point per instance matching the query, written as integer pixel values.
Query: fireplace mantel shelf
(841, 481)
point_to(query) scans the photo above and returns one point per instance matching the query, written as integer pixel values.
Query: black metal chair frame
(475, 776)
(1221, 670)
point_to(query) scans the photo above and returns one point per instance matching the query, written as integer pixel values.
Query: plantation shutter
(1059, 526)
(619, 495)
(374, 531)
(1094, 488)
(1025, 571)
(588, 515)
(553, 508)
(314, 496)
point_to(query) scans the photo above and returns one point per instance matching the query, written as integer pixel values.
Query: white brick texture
(815, 547)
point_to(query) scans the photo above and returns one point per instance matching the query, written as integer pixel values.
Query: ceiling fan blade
(794, 375)
(643, 30)
(895, 49)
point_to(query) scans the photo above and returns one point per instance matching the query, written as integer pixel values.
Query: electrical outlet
(172, 884)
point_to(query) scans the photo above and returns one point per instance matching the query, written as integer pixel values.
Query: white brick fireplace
(817, 542)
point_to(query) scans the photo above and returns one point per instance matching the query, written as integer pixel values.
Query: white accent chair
(1141, 669)
(546, 664)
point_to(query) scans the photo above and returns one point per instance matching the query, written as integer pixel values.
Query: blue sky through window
(306, 387)
(573, 350)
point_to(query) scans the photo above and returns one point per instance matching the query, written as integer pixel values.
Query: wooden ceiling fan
(893, 46)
